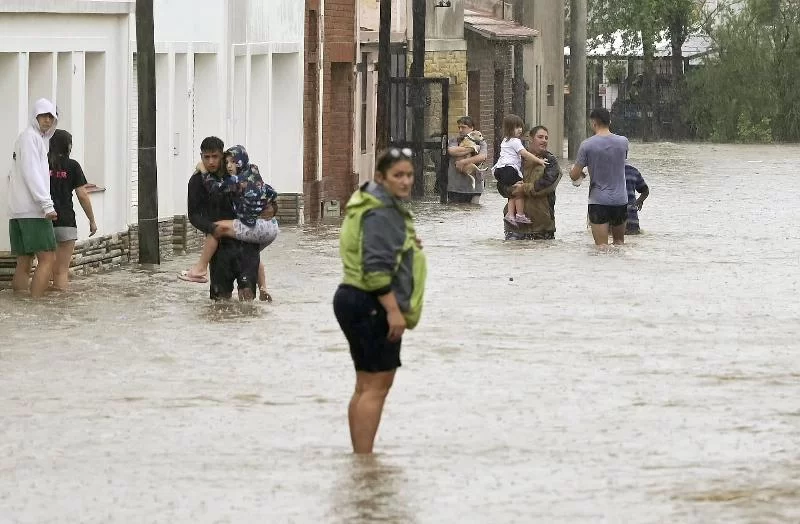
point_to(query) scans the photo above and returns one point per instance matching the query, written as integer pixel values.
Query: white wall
(286, 130)
(276, 21)
(12, 67)
(189, 21)
(369, 15)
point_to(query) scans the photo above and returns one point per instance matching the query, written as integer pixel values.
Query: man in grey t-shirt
(460, 188)
(604, 154)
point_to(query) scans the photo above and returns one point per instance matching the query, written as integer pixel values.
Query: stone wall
(185, 237)
(453, 65)
(291, 209)
(489, 58)
(176, 237)
(90, 256)
(165, 240)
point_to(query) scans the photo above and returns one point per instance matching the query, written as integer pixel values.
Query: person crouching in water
(255, 206)
(382, 291)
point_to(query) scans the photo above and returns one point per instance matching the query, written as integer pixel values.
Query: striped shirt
(634, 183)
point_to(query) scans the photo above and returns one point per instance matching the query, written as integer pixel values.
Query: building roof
(487, 26)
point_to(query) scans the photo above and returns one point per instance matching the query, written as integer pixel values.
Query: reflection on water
(371, 489)
(548, 382)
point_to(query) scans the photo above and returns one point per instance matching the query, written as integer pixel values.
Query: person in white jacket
(30, 207)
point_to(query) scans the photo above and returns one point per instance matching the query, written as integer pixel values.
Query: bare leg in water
(618, 233)
(263, 294)
(600, 234)
(61, 267)
(200, 268)
(41, 275)
(366, 407)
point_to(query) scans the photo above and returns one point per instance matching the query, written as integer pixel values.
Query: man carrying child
(216, 203)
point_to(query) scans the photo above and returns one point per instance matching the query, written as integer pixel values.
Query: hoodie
(29, 178)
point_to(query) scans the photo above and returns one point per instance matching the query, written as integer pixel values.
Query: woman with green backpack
(382, 291)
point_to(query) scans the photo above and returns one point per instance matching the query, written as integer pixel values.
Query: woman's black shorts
(363, 321)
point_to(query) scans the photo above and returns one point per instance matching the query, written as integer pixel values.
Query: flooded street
(659, 382)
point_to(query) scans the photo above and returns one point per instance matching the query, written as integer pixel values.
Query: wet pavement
(547, 382)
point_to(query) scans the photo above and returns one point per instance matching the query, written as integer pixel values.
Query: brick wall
(488, 57)
(451, 64)
(338, 175)
(311, 108)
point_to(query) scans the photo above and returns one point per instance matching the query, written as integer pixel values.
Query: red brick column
(338, 78)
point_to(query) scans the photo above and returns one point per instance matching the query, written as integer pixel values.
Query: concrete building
(544, 69)
(445, 56)
(467, 51)
(86, 74)
(231, 68)
(500, 24)
(491, 46)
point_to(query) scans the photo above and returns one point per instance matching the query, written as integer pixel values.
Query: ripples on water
(547, 382)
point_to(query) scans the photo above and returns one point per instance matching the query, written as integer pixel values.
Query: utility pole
(418, 94)
(148, 174)
(382, 121)
(577, 75)
(518, 89)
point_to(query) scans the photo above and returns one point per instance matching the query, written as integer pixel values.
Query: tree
(642, 22)
(757, 59)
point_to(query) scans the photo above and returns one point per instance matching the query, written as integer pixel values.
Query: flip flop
(188, 277)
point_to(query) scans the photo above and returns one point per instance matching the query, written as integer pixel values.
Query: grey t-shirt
(456, 181)
(605, 157)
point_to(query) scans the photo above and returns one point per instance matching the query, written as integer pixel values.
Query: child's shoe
(521, 219)
(510, 219)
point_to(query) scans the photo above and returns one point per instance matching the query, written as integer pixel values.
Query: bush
(760, 132)
(747, 90)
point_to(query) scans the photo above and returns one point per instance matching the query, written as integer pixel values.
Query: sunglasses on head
(397, 152)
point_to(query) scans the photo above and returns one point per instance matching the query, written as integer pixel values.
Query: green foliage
(748, 90)
(760, 132)
(641, 19)
(615, 72)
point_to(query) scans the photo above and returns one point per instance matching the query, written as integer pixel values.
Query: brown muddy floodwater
(659, 382)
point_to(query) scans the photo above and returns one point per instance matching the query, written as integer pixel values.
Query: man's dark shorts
(613, 215)
(233, 261)
(363, 321)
